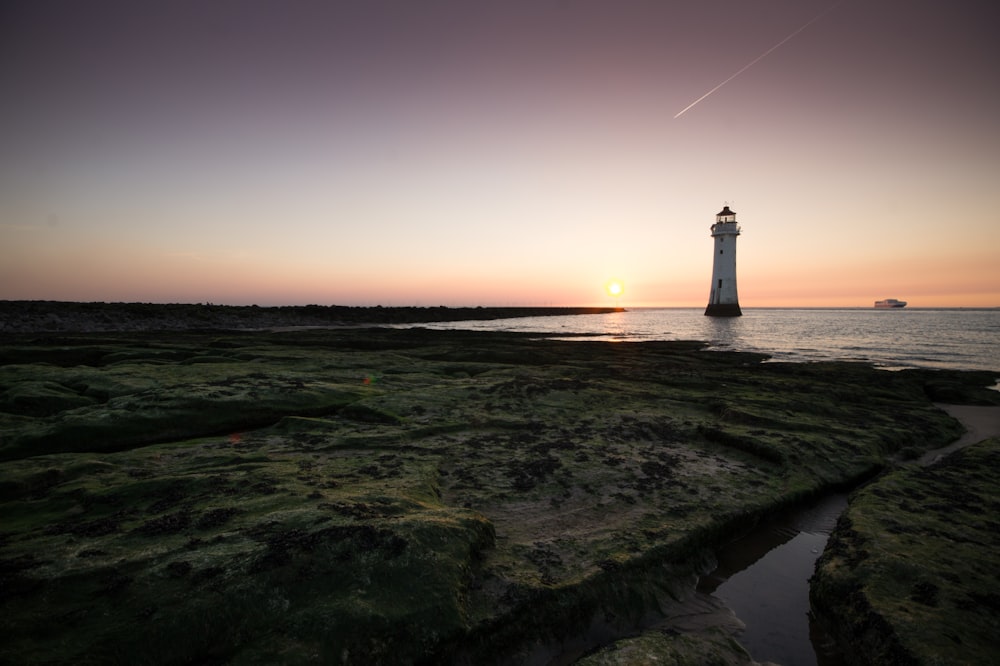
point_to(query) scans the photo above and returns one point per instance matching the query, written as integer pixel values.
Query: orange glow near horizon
(118, 272)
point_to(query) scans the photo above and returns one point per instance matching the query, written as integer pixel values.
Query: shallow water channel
(758, 591)
(763, 577)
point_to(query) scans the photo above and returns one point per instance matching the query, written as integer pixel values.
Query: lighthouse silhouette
(723, 300)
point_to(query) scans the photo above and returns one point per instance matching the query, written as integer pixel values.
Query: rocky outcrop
(909, 574)
(383, 496)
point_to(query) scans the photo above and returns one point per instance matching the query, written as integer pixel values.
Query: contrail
(758, 59)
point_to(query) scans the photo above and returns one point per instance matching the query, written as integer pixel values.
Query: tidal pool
(758, 592)
(763, 578)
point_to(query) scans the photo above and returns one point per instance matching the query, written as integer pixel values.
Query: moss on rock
(909, 575)
(399, 496)
(662, 647)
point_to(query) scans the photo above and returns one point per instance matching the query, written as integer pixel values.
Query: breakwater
(56, 316)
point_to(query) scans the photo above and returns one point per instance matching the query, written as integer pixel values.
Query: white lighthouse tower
(723, 300)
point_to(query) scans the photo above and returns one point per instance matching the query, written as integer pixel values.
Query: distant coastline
(67, 316)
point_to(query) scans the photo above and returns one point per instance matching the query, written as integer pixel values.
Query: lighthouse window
(720, 284)
(721, 251)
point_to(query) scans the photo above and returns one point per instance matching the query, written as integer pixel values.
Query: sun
(615, 288)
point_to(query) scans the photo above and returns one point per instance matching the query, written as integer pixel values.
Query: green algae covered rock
(398, 496)
(910, 573)
(659, 647)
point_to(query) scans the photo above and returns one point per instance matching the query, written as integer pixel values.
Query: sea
(952, 338)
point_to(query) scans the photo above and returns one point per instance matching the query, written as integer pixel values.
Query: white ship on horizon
(890, 303)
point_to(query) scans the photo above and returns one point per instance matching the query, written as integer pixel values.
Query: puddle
(758, 592)
(763, 578)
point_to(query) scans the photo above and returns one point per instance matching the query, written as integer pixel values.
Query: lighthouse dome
(725, 211)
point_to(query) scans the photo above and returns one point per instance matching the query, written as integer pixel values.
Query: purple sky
(498, 152)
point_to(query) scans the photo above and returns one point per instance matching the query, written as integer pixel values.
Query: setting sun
(615, 288)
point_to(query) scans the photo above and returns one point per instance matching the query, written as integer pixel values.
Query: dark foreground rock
(910, 574)
(379, 496)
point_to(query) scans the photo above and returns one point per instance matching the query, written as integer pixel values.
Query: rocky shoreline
(66, 317)
(909, 574)
(386, 496)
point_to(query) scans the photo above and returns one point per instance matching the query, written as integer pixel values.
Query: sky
(509, 153)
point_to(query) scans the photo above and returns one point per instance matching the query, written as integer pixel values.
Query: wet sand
(980, 423)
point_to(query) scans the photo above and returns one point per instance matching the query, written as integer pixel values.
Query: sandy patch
(980, 423)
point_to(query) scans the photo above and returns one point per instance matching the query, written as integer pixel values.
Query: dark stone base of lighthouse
(723, 310)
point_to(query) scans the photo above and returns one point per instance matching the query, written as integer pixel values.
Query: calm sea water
(963, 339)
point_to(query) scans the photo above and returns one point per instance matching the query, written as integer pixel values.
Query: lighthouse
(722, 299)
